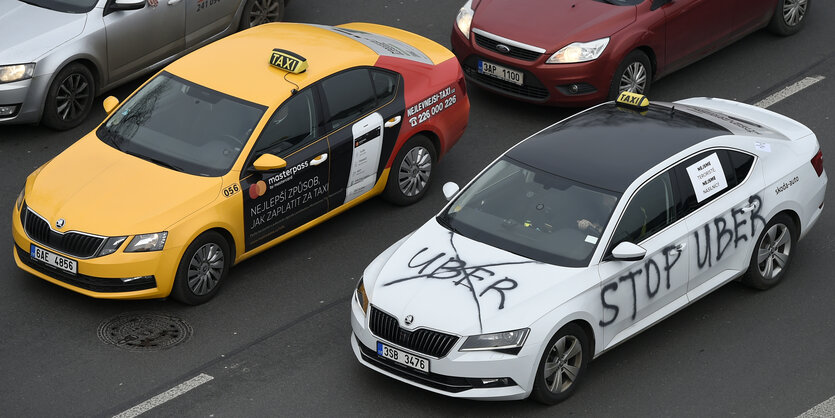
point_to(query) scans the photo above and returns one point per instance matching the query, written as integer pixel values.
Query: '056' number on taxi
(231, 190)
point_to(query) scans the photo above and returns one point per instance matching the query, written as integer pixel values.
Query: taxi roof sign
(634, 100)
(288, 61)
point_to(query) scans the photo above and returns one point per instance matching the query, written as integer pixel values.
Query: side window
(349, 95)
(385, 85)
(651, 209)
(292, 125)
(706, 176)
(741, 164)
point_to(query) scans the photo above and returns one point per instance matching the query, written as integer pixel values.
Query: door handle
(393, 121)
(678, 248)
(319, 159)
(750, 207)
(173, 2)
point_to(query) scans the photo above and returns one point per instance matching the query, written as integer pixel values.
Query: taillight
(462, 86)
(817, 162)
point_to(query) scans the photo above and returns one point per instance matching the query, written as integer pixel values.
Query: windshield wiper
(444, 221)
(156, 161)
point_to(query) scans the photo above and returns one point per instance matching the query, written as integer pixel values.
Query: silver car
(57, 55)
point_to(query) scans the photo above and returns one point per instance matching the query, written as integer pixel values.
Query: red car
(580, 52)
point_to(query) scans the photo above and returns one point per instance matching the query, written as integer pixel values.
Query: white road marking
(825, 409)
(165, 396)
(788, 91)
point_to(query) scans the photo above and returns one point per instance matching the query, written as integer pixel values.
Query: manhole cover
(144, 331)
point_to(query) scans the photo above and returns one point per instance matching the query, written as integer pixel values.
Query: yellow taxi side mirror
(110, 103)
(268, 162)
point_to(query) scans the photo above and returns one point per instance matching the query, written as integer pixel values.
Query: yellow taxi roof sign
(634, 100)
(288, 61)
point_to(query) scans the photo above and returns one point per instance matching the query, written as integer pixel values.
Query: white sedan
(582, 236)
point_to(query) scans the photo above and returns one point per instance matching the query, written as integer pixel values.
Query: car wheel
(257, 12)
(69, 98)
(562, 365)
(411, 171)
(789, 17)
(634, 75)
(202, 269)
(772, 254)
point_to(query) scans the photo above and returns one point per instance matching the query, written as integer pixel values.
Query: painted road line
(165, 396)
(825, 409)
(788, 91)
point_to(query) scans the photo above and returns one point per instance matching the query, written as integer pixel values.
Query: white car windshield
(532, 213)
(183, 126)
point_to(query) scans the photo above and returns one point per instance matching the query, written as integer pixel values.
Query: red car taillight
(817, 162)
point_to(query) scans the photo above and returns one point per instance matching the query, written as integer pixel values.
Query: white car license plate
(403, 357)
(54, 260)
(502, 73)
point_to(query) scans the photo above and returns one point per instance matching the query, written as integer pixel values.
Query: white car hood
(30, 31)
(454, 284)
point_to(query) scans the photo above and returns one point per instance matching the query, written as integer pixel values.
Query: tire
(789, 17)
(568, 353)
(206, 261)
(257, 12)
(69, 98)
(773, 253)
(411, 172)
(634, 74)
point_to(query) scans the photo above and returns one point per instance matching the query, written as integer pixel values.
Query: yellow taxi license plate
(54, 260)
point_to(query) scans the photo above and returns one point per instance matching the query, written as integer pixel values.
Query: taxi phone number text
(432, 111)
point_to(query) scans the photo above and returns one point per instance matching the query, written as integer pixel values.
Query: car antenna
(292, 91)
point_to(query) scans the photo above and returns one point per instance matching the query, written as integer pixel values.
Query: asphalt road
(276, 338)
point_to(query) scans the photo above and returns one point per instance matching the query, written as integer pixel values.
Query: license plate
(403, 357)
(502, 73)
(63, 263)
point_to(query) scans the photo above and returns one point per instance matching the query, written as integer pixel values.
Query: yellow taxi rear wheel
(411, 171)
(202, 269)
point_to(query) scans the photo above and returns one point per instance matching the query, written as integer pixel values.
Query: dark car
(581, 52)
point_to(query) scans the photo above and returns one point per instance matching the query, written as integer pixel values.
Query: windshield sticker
(591, 239)
(382, 45)
(762, 146)
(478, 280)
(707, 177)
(433, 105)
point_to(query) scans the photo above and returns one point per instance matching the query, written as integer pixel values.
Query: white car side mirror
(450, 189)
(628, 251)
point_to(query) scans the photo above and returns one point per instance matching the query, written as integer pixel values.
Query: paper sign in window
(707, 177)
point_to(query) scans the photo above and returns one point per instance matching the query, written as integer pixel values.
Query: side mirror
(450, 189)
(268, 162)
(627, 251)
(127, 5)
(110, 103)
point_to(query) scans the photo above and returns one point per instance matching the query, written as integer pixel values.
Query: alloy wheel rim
(794, 11)
(72, 97)
(264, 11)
(634, 78)
(205, 268)
(562, 365)
(773, 251)
(414, 172)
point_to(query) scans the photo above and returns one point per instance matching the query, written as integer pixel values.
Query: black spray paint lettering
(722, 231)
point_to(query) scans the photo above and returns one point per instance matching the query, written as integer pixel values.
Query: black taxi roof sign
(633, 100)
(288, 61)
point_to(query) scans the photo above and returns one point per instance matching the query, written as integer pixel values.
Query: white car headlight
(147, 242)
(579, 52)
(496, 341)
(465, 18)
(361, 296)
(17, 72)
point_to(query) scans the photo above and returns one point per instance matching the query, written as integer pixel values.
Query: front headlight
(465, 18)
(361, 297)
(496, 341)
(111, 245)
(579, 52)
(147, 242)
(19, 203)
(17, 72)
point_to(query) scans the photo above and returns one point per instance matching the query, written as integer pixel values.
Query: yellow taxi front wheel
(203, 267)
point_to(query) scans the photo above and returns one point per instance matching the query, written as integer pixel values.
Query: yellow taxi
(234, 148)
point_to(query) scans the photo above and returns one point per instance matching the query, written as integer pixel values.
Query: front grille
(72, 243)
(515, 52)
(95, 284)
(431, 343)
(532, 88)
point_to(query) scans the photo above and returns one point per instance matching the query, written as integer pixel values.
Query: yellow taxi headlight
(147, 242)
(20, 197)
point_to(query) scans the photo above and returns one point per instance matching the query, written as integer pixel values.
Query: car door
(278, 201)
(137, 39)
(636, 294)
(722, 207)
(365, 108)
(694, 27)
(207, 18)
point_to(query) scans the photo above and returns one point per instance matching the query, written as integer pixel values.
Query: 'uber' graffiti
(719, 229)
(479, 280)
